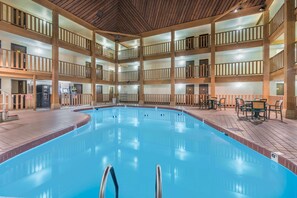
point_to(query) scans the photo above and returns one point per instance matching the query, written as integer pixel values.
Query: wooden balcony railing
(74, 39)
(157, 49)
(18, 101)
(103, 98)
(190, 99)
(128, 54)
(105, 75)
(239, 68)
(191, 43)
(157, 98)
(198, 71)
(104, 51)
(109, 53)
(75, 99)
(21, 61)
(157, 74)
(24, 20)
(128, 97)
(240, 36)
(128, 76)
(230, 98)
(277, 62)
(74, 70)
(277, 20)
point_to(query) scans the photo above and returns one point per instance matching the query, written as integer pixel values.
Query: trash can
(114, 100)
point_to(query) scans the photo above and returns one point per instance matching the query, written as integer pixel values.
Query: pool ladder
(110, 169)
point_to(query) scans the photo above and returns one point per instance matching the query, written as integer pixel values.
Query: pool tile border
(6, 155)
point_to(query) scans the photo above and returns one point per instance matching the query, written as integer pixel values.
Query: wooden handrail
(74, 70)
(23, 61)
(160, 48)
(128, 76)
(25, 20)
(157, 98)
(157, 74)
(74, 39)
(201, 41)
(128, 97)
(197, 71)
(277, 20)
(128, 53)
(75, 99)
(277, 62)
(239, 68)
(239, 36)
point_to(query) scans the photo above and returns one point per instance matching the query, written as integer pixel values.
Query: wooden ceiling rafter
(135, 17)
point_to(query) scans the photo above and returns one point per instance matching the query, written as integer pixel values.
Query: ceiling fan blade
(117, 33)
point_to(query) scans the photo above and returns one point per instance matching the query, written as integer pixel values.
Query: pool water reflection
(195, 159)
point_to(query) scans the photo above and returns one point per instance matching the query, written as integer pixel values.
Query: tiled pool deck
(34, 128)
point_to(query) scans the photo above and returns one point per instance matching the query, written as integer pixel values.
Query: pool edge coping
(34, 142)
(14, 151)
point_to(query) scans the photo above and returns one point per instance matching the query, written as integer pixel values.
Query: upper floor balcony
(277, 62)
(239, 36)
(25, 20)
(128, 54)
(191, 43)
(103, 51)
(277, 20)
(244, 68)
(18, 61)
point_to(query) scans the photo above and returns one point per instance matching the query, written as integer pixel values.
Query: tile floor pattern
(272, 134)
(35, 125)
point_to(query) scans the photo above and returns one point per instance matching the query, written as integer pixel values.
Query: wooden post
(289, 60)
(266, 61)
(34, 93)
(93, 68)
(116, 70)
(55, 61)
(213, 60)
(172, 70)
(141, 72)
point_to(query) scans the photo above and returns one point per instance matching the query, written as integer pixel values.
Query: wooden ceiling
(138, 16)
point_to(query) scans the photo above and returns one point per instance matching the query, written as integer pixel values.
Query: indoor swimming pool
(196, 161)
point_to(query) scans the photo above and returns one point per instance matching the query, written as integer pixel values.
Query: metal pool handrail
(108, 169)
(158, 186)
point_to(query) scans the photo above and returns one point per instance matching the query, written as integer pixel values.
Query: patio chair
(257, 108)
(222, 103)
(277, 108)
(243, 107)
(263, 99)
(236, 103)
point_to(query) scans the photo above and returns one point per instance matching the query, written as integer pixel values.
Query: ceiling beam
(117, 33)
(230, 10)
(199, 22)
(70, 16)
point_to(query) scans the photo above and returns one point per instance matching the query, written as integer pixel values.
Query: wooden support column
(172, 70)
(116, 70)
(289, 60)
(141, 73)
(34, 92)
(213, 60)
(266, 62)
(55, 62)
(93, 68)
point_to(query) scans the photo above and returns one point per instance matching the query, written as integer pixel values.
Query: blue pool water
(196, 160)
